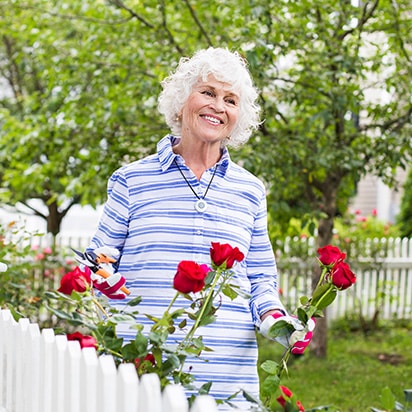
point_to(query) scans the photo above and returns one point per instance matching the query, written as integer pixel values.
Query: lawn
(355, 371)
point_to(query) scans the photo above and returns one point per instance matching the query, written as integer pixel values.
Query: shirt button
(198, 232)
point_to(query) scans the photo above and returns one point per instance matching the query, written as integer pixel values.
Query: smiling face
(211, 111)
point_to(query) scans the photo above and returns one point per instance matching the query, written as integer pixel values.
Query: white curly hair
(224, 65)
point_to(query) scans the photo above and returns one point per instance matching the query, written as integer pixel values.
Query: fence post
(150, 398)
(46, 375)
(127, 388)
(20, 363)
(33, 373)
(204, 403)
(59, 372)
(89, 380)
(73, 360)
(174, 399)
(11, 364)
(107, 384)
(5, 321)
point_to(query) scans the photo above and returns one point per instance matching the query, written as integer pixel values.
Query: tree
(79, 102)
(339, 108)
(335, 82)
(404, 218)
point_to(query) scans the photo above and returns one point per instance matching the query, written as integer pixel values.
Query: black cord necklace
(201, 204)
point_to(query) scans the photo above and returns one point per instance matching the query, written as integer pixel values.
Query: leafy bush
(32, 269)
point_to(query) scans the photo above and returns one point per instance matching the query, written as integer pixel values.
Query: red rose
(285, 395)
(286, 391)
(149, 357)
(77, 280)
(84, 340)
(221, 253)
(342, 276)
(300, 406)
(329, 255)
(281, 400)
(190, 276)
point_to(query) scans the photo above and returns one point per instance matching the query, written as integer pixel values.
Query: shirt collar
(167, 156)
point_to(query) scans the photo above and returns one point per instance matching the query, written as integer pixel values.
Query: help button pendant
(201, 205)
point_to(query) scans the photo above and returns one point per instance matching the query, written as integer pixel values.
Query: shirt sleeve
(114, 222)
(262, 271)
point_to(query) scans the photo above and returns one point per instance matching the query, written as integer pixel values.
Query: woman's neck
(199, 158)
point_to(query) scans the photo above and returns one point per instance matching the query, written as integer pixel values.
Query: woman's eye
(231, 101)
(207, 93)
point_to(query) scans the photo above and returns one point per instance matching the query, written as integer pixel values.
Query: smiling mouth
(212, 120)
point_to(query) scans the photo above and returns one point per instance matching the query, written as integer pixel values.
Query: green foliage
(31, 271)
(361, 236)
(152, 350)
(83, 78)
(390, 403)
(353, 233)
(404, 218)
(358, 367)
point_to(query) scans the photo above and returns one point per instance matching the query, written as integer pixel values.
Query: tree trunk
(54, 219)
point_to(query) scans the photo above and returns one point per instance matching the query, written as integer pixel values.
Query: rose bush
(77, 305)
(31, 269)
(76, 302)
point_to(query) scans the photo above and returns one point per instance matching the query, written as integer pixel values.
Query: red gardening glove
(297, 334)
(111, 286)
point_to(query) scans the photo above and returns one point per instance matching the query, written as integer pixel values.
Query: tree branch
(202, 30)
(165, 26)
(132, 13)
(13, 77)
(75, 17)
(307, 85)
(399, 37)
(393, 124)
(367, 13)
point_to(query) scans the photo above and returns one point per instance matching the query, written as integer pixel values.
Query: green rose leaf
(323, 296)
(270, 385)
(270, 367)
(229, 292)
(135, 301)
(171, 363)
(280, 328)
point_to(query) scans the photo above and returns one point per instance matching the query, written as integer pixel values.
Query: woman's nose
(219, 104)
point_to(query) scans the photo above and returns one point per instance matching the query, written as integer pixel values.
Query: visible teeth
(212, 119)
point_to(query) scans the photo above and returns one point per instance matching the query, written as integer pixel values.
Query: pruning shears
(94, 261)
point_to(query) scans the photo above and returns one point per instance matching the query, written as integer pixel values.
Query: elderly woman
(170, 206)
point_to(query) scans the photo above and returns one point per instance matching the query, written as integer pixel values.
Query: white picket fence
(43, 372)
(383, 278)
(383, 269)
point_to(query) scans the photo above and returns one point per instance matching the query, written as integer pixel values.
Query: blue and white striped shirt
(150, 218)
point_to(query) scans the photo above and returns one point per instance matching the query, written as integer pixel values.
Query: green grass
(354, 372)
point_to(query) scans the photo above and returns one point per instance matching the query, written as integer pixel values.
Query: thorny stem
(99, 306)
(202, 311)
(325, 270)
(172, 303)
(284, 361)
